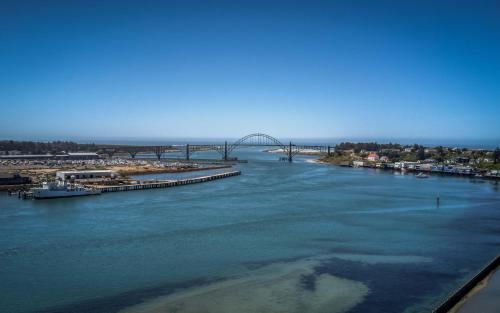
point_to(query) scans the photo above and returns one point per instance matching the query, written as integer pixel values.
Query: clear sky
(321, 69)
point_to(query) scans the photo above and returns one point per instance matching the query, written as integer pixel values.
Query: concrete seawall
(166, 184)
(459, 294)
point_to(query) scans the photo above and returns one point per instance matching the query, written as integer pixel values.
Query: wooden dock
(166, 183)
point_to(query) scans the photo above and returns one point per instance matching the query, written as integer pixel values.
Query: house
(373, 157)
(384, 158)
(405, 165)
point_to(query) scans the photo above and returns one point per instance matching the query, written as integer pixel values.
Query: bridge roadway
(225, 149)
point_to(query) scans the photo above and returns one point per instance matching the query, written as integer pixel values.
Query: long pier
(166, 184)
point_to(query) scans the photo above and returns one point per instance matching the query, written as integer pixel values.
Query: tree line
(53, 147)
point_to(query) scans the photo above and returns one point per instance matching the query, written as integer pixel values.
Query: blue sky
(319, 69)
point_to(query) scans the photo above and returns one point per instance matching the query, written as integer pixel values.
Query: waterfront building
(85, 174)
(358, 163)
(28, 157)
(67, 156)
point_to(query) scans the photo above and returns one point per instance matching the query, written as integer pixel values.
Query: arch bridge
(225, 149)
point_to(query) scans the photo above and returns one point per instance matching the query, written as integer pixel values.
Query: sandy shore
(148, 169)
(283, 287)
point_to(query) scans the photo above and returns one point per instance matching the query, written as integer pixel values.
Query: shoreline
(471, 288)
(413, 171)
(162, 171)
(477, 288)
(124, 172)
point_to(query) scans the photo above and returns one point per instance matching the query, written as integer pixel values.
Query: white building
(85, 174)
(358, 163)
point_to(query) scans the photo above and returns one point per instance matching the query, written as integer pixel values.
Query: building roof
(26, 156)
(85, 171)
(82, 153)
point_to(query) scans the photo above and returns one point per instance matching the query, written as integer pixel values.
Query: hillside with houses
(457, 161)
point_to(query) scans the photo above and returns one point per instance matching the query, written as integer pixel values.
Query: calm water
(278, 233)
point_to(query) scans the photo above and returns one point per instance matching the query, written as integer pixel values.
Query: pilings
(167, 184)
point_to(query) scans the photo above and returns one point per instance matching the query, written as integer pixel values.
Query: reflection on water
(298, 237)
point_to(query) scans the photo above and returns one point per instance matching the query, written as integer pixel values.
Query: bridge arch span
(255, 139)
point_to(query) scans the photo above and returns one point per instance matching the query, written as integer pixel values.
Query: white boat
(62, 190)
(421, 175)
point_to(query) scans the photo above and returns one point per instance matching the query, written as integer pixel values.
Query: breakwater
(166, 184)
(459, 294)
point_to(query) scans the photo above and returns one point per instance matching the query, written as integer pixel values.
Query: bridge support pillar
(133, 154)
(290, 152)
(225, 151)
(329, 151)
(187, 152)
(158, 152)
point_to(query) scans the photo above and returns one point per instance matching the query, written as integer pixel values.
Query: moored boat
(421, 175)
(62, 190)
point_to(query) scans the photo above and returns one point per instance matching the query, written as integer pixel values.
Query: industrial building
(68, 156)
(85, 174)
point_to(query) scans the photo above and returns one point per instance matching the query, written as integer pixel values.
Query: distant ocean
(428, 142)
